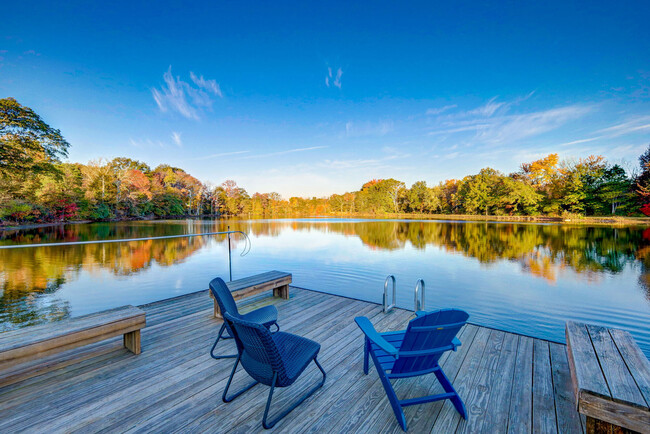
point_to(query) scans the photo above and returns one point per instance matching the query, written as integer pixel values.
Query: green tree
(518, 197)
(27, 143)
(420, 198)
(615, 190)
(478, 192)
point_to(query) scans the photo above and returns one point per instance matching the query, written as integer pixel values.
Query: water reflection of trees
(542, 250)
(27, 276)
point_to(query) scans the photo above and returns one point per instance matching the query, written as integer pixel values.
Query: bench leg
(132, 341)
(597, 426)
(281, 291)
(217, 311)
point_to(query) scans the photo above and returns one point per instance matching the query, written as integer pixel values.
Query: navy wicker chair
(267, 315)
(274, 359)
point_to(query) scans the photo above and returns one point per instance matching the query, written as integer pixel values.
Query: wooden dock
(509, 382)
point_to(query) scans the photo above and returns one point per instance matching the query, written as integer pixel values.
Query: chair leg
(366, 350)
(225, 397)
(220, 336)
(390, 392)
(269, 425)
(449, 388)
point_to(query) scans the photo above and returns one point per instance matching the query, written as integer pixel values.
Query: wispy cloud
(210, 85)
(493, 123)
(176, 138)
(288, 151)
(358, 163)
(577, 142)
(439, 110)
(359, 129)
(223, 154)
(488, 109)
(513, 128)
(146, 143)
(184, 98)
(638, 124)
(633, 125)
(333, 80)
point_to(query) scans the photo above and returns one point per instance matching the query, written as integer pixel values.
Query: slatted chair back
(224, 298)
(426, 339)
(260, 356)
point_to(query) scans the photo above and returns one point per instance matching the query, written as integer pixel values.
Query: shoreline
(574, 220)
(577, 220)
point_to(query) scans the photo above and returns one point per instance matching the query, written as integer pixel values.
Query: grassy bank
(572, 220)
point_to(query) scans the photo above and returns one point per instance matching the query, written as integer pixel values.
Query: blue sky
(309, 98)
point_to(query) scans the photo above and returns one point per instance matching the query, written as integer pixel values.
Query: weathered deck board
(521, 397)
(174, 385)
(568, 419)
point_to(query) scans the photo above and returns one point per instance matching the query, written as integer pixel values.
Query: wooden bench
(611, 378)
(36, 342)
(278, 281)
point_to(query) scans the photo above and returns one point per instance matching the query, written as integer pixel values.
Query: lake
(524, 278)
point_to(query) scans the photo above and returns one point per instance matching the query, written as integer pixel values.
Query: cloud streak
(640, 123)
(222, 154)
(333, 80)
(188, 100)
(176, 138)
(288, 151)
(493, 123)
(439, 110)
(361, 129)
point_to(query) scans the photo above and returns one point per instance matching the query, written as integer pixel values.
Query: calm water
(524, 278)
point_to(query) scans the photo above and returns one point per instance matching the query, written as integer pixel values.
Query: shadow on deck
(510, 383)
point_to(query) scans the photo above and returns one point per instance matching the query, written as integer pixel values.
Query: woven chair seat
(266, 315)
(296, 352)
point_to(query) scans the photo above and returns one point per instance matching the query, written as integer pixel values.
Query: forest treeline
(37, 186)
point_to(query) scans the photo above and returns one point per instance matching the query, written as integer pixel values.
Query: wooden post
(281, 291)
(132, 341)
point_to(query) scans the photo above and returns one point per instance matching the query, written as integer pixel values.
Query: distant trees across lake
(36, 186)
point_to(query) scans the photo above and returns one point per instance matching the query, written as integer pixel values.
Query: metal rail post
(229, 255)
(419, 301)
(387, 308)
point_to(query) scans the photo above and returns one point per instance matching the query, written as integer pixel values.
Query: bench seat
(611, 378)
(278, 281)
(36, 342)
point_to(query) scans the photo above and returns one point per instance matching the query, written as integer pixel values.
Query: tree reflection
(29, 277)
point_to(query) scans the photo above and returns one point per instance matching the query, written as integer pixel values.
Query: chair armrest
(419, 313)
(369, 330)
(456, 343)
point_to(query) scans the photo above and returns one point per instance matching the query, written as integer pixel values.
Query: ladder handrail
(387, 308)
(419, 302)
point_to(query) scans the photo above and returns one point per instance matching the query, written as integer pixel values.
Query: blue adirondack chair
(413, 352)
(267, 315)
(274, 359)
